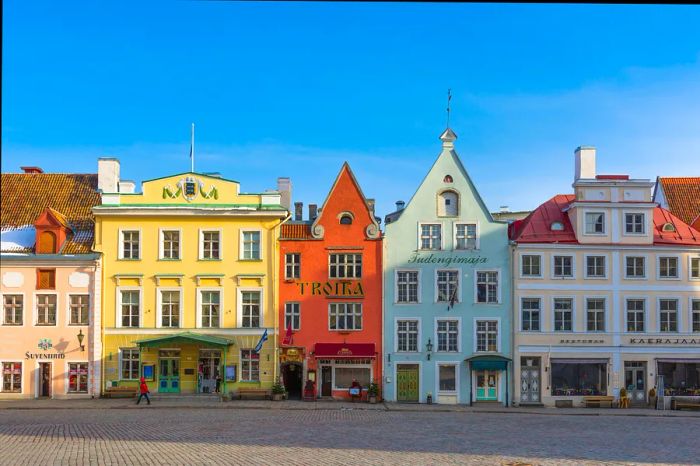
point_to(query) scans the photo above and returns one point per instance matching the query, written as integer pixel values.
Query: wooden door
(326, 381)
(407, 381)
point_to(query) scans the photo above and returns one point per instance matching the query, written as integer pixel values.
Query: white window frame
(35, 307)
(521, 263)
(239, 306)
(396, 287)
(66, 378)
(459, 285)
(241, 245)
(459, 334)
(625, 213)
(679, 267)
(606, 314)
(68, 309)
(442, 235)
(690, 268)
(585, 267)
(520, 313)
(605, 221)
(554, 317)
(477, 240)
(201, 243)
(121, 243)
(499, 334)
(121, 359)
(346, 303)
(240, 359)
(456, 391)
(284, 322)
(159, 302)
(646, 267)
(646, 313)
(690, 313)
(418, 337)
(21, 377)
(562, 277)
(286, 264)
(498, 291)
(118, 309)
(24, 310)
(161, 244)
(200, 303)
(679, 313)
(346, 266)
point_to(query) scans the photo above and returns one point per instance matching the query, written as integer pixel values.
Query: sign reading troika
(346, 289)
(422, 258)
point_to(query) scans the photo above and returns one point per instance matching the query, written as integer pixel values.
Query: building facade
(607, 294)
(447, 332)
(190, 273)
(330, 299)
(50, 286)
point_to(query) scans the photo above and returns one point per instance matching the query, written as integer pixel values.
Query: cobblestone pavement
(338, 437)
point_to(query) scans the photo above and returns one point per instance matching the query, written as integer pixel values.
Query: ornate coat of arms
(44, 344)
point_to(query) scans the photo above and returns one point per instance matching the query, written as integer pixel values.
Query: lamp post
(429, 348)
(81, 336)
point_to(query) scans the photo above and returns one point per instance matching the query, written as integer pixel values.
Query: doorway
(209, 371)
(407, 378)
(326, 381)
(45, 379)
(292, 374)
(529, 380)
(635, 382)
(169, 371)
(486, 386)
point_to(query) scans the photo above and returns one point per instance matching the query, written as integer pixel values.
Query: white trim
(498, 334)
(679, 267)
(624, 267)
(118, 310)
(420, 376)
(606, 314)
(477, 244)
(24, 310)
(161, 243)
(240, 364)
(120, 239)
(459, 285)
(585, 266)
(362, 313)
(459, 333)
(284, 316)
(396, 287)
(690, 268)
(594, 211)
(553, 314)
(418, 337)
(519, 319)
(239, 306)
(456, 393)
(498, 288)
(202, 331)
(120, 359)
(442, 235)
(68, 309)
(562, 277)
(198, 294)
(200, 255)
(66, 379)
(260, 244)
(626, 298)
(520, 266)
(690, 313)
(643, 213)
(679, 313)
(35, 309)
(159, 302)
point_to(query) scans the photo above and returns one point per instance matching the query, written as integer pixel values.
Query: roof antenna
(449, 97)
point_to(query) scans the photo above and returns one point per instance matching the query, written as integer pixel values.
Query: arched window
(557, 226)
(668, 227)
(448, 204)
(447, 179)
(47, 243)
(345, 219)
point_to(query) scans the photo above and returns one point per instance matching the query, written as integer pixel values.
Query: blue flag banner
(263, 339)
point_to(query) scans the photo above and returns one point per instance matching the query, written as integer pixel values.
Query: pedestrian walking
(143, 391)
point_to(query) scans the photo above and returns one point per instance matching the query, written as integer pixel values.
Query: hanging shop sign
(345, 289)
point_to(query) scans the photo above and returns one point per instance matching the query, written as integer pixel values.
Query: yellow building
(188, 282)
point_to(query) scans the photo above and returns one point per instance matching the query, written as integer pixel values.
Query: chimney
(108, 175)
(400, 205)
(284, 186)
(585, 162)
(313, 212)
(504, 208)
(127, 187)
(31, 170)
(298, 211)
(370, 203)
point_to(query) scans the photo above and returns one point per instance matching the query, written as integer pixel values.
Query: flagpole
(192, 149)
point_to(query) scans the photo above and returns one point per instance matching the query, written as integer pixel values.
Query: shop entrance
(292, 375)
(169, 373)
(326, 381)
(407, 379)
(486, 386)
(45, 379)
(635, 381)
(209, 371)
(529, 380)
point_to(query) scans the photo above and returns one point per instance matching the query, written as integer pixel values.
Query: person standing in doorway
(143, 391)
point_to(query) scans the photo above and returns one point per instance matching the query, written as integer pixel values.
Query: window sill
(249, 260)
(562, 277)
(78, 325)
(163, 259)
(635, 278)
(668, 279)
(13, 325)
(596, 277)
(344, 332)
(209, 259)
(531, 277)
(44, 325)
(124, 259)
(407, 303)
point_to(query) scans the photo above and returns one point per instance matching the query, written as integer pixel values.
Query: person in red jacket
(143, 391)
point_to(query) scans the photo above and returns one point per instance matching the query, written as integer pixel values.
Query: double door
(635, 377)
(407, 382)
(209, 371)
(530, 383)
(487, 385)
(169, 371)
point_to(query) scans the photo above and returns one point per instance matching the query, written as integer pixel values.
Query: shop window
(345, 375)
(250, 366)
(130, 364)
(13, 309)
(47, 243)
(78, 377)
(46, 279)
(579, 378)
(79, 309)
(448, 378)
(12, 377)
(680, 378)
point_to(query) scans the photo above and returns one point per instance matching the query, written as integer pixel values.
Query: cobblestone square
(245, 436)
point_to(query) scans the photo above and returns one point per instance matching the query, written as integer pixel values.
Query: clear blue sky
(294, 89)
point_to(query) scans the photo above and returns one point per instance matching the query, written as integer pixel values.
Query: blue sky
(295, 89)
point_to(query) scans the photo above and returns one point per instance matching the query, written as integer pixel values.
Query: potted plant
(373, 392)
(278, 392)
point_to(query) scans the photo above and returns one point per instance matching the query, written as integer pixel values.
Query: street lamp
(80, 340)
(429, 348)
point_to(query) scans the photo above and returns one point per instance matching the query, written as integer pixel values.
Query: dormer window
(557, 226)
(668, 227)
(47, 243)
(448, 204)
(634, 224)
(595, 223)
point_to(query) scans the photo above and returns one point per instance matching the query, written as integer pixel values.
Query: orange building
(331, 294)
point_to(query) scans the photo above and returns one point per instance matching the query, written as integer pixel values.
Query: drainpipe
(275, 316)
(514, 268)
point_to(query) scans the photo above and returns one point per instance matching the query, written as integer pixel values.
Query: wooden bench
(120, 392)
(596, 401)
(684, 404)
(264, 392)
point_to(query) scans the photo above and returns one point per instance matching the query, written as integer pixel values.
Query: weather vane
(449, 97)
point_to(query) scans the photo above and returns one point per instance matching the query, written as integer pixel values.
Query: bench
(684, 404)
(264, 392)
(596, 401)
(120, 392)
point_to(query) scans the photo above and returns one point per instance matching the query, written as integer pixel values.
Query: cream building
(606, 295)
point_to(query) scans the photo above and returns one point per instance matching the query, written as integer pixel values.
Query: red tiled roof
(296, 231)
(537, 227)
(683, 196)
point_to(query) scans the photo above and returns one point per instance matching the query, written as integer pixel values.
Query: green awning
(490, 362)
(185, 338)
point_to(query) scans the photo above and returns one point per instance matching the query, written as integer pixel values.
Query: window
(635, 267)
(250, 306)
(635, 315)
(47, 243)
(407, 335)
(292, 316)
(430, 236)
(211, 245)
(211, 309)
(595, 223)
(77, 377)
(571, 378)
(595, 314)
(46, 309)
(447, 286)
(486, 335)
(668, 315)
(530, 312)
(251, 245)
(680, 378)
(130, 364)
(531, 265)
(343, 377)
(595, 266)
(465, 236)
(292, 265)
(695, 268)
(170, 308)
(171, 244)
(447, 335)
(563, 266)
(13, 305)
(407, 287)
(345, 316)
(250, 366)
(448, 204)
(556, 226)
(695, 319)
(130, 308)
(46, 279)
(79, 308)
(563, 314)
(668, 267)
(448, 378)
(487, 287)
(634, 224)
(345, 219)
(130, 245)
(345, 266)
(12, 377)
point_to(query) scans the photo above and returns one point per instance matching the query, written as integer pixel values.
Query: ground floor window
(130, 364)
(12, 377)
(680, 378)
(345, 375)
(250, 366)
(448, 378)
(579, 378)
(77, 377)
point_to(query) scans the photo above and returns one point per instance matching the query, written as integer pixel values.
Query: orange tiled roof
(296, 231)
(683, 196)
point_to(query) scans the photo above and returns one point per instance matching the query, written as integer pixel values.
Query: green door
(486, 386)
(169, 376)
(407, 382)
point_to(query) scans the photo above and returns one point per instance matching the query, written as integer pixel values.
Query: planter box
(564, 403)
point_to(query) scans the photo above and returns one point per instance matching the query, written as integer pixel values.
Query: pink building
(50, 286)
